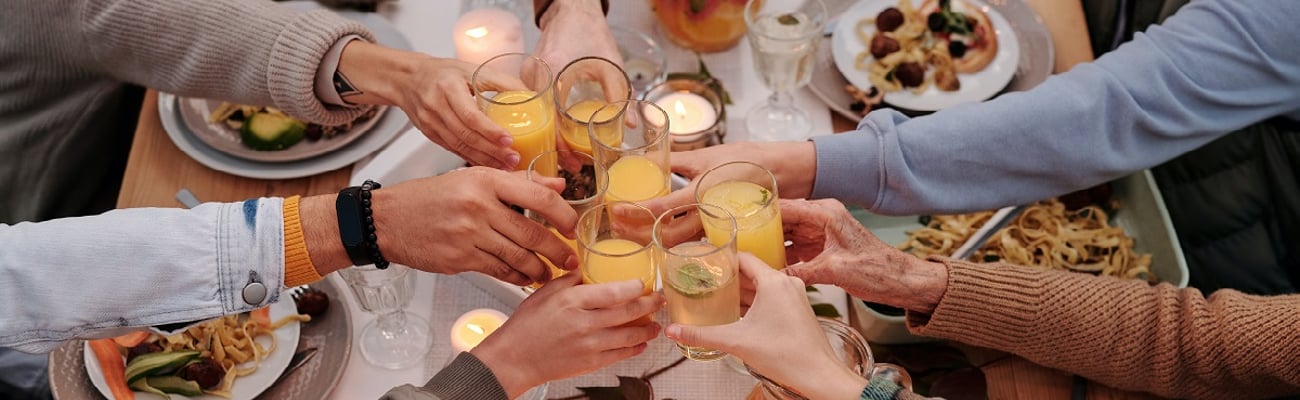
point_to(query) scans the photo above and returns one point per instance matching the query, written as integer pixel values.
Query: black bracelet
(357, 225)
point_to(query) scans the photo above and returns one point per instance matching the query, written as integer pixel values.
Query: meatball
(207, 373)
(957, 49)
(910, 74)
(889, 20)
(882, 46)
(313, 302)
(142, 349)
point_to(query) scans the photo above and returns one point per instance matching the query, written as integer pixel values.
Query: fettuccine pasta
(230, 342)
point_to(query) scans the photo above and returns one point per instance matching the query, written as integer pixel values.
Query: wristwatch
(357, 225)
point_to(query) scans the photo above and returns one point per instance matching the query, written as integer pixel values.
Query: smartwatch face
(349, 217)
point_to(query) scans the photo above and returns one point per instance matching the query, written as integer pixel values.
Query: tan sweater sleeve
(249, 51)
(1123, 333)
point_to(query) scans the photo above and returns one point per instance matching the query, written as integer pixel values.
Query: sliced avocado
(152, 363)
(266, 131)
(143, 386)
(175, 385)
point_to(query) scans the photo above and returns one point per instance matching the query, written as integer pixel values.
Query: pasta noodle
(916, 45)
(1044, 235)
(230, 342)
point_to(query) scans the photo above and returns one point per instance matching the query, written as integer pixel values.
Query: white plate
(195, 112)
(975, 87)
(245, 387)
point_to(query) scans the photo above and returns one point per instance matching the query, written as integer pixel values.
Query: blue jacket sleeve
(1214, 67)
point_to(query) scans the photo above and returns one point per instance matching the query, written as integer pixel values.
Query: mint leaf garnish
(787, 19)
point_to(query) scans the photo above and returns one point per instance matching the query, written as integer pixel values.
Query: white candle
(486, 32)
(688, 113)
(472, 327)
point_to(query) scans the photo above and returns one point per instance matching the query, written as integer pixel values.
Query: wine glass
(783, 38)
(397, 339)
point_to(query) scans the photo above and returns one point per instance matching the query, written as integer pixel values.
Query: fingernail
(512, 160)
(673, 331)
(506, 140)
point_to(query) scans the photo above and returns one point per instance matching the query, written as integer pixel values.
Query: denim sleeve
(97, 276)
(1211, 68)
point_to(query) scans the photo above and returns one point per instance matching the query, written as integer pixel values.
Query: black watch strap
(357, 225)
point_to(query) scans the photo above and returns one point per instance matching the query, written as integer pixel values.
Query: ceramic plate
(979, 86)
(217, 135)
(245, 387)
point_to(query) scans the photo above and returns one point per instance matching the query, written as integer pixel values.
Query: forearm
(546, 10)
(1126, 334)
(93, 276)
(248, 51)
(1212, 68)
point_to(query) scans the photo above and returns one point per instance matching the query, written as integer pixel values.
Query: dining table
(157, 169)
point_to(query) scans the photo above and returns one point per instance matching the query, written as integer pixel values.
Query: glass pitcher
(852, 349)
(701, 25)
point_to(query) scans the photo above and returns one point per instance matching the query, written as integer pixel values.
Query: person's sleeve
(1124, 333)
(329, 65)
(1214, 67)
(464, 378)
(248, 51)
(96, 276)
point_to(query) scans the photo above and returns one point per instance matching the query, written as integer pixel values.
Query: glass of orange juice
(580, 191)
(748, 192)
(617, 246)
(582, 88)
(633, 147)
(701, 277)
(527, 112)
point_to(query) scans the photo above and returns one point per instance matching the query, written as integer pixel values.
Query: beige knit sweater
(1160, 339)
(64, 65)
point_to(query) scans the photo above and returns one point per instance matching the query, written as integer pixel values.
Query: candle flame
(679, 108)
(477, 33)
(474, 327)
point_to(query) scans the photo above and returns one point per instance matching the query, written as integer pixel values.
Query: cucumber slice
(266, 131)
(153, 363)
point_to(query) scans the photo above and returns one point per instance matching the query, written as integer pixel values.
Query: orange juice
(575, 126)
(616, 264)
(556, 272)
(530, 119)
(758, 220)
(635, 178)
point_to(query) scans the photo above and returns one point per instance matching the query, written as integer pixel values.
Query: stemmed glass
(783, 38)
(397, 339)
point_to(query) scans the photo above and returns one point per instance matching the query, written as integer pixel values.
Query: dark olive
(889, 20)
(207, 373)
(936, 22)
(313, 302)
(957, 48)
(314, 132)
(882, 46)
(924, 220)
(910, 74)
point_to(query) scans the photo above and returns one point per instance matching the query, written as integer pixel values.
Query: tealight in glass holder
(697, 115)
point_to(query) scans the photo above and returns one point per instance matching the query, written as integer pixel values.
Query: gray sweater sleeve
(465, 378)
(250, 51)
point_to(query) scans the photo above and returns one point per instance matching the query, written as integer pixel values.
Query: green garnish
(825, 310)
(787, 19)
(698, 5)
(767, 195)
(694, 279)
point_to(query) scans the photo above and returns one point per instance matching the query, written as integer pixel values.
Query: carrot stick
(262, 317)
(131, 339)
(110, 361)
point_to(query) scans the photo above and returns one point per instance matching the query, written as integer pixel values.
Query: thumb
(688, 163)
(679, 197)
(721, 337)
(815, 271)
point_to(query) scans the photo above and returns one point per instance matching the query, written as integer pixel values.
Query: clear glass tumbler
(748, 192)
(396, 339)
(581, 89)
(700, 273)
(580, 191)
(514, 91)
(633, 148)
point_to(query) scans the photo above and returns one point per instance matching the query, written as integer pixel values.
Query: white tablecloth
(440, 299)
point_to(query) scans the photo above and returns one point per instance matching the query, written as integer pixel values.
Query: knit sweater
(65, 63)
(1160, 339)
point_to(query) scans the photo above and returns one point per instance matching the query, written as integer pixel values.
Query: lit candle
(486, 32)
(688, 114)
(472, 327)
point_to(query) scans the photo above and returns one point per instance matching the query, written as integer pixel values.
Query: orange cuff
(298, 269)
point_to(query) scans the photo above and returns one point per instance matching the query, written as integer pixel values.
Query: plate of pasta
(241, 355)
(926, 55)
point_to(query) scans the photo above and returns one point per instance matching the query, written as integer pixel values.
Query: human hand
(836, 249)
(793, 163)
(566, 329)
(779, 338)
(436, 96)
(572, 29)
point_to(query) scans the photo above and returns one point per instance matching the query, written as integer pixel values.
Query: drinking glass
(633, 148)
(527, 112)
(397, 339)
(748, 192)
(701, 25)
(852, 351)
(701, 276)
(580, 191)
(582, 88)
(614, 244)
(783, 38)
(643, 60)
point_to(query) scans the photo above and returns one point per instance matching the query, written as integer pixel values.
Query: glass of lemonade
(701, 276)
(615, 244)
(633, 147)
(783, 38)
(748, 192)
(582, 88)
(528, 112)
(580, 191)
